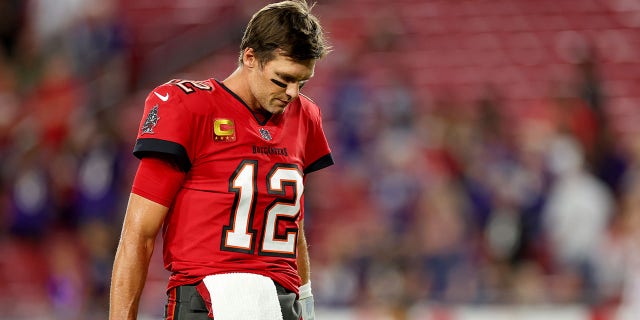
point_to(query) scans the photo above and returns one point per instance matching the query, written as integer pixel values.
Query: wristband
(305, 290)
(306, 302)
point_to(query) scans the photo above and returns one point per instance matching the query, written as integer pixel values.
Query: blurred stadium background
(487, 152)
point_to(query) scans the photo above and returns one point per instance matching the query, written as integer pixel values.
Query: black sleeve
(321, 163)
(149, 147)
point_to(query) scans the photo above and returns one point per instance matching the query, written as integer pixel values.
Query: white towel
(243, 296)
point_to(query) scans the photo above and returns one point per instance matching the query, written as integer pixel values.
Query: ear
(249, 58)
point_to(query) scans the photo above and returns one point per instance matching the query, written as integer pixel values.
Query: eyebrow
(289, 78)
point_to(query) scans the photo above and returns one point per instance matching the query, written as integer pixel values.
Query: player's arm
(304, 270)
(142, 222)
(155, 185)
(304, 265)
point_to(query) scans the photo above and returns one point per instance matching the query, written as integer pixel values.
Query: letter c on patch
(224, 130)
(223, 127)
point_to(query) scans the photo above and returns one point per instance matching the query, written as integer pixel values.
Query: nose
(292, 91)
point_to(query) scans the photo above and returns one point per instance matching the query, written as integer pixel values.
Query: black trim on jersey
(267, 116)
(321, 163)
(148, 146)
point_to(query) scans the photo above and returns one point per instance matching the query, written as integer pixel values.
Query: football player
(222, 171)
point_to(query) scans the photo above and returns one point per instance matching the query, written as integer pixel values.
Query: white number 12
(239, 236)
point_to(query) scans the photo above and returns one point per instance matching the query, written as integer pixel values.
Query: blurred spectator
(12, 22)
(57, 98)
(31, 207)
(439, 243)
(351, 109)
(66, 286)
(576, 217)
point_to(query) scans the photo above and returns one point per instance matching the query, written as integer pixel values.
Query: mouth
(282, 102)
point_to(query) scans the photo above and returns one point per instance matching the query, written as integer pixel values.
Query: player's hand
(306, 302)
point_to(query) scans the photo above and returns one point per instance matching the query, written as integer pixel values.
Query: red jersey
(239, 207)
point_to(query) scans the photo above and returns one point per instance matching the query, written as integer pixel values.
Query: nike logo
(163, 98)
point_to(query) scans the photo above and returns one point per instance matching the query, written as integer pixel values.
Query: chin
(277, 110)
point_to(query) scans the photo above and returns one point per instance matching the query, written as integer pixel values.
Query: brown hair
(288, 26)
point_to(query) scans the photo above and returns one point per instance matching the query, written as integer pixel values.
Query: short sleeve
(318, 152)
(166, 128)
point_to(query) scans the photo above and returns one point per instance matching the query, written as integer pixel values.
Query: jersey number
(239, 236)
(189, 86)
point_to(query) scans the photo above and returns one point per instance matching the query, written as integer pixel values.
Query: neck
(238, 83)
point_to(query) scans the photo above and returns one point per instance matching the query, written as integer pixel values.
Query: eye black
(278, 83)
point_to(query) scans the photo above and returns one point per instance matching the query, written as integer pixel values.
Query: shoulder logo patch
(151, 121)
(224, 130)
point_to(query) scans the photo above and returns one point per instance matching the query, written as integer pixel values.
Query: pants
(189, 304)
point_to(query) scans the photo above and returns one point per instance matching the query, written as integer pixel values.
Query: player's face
(279, 81)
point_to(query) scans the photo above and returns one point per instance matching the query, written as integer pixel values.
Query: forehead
(287, 67)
